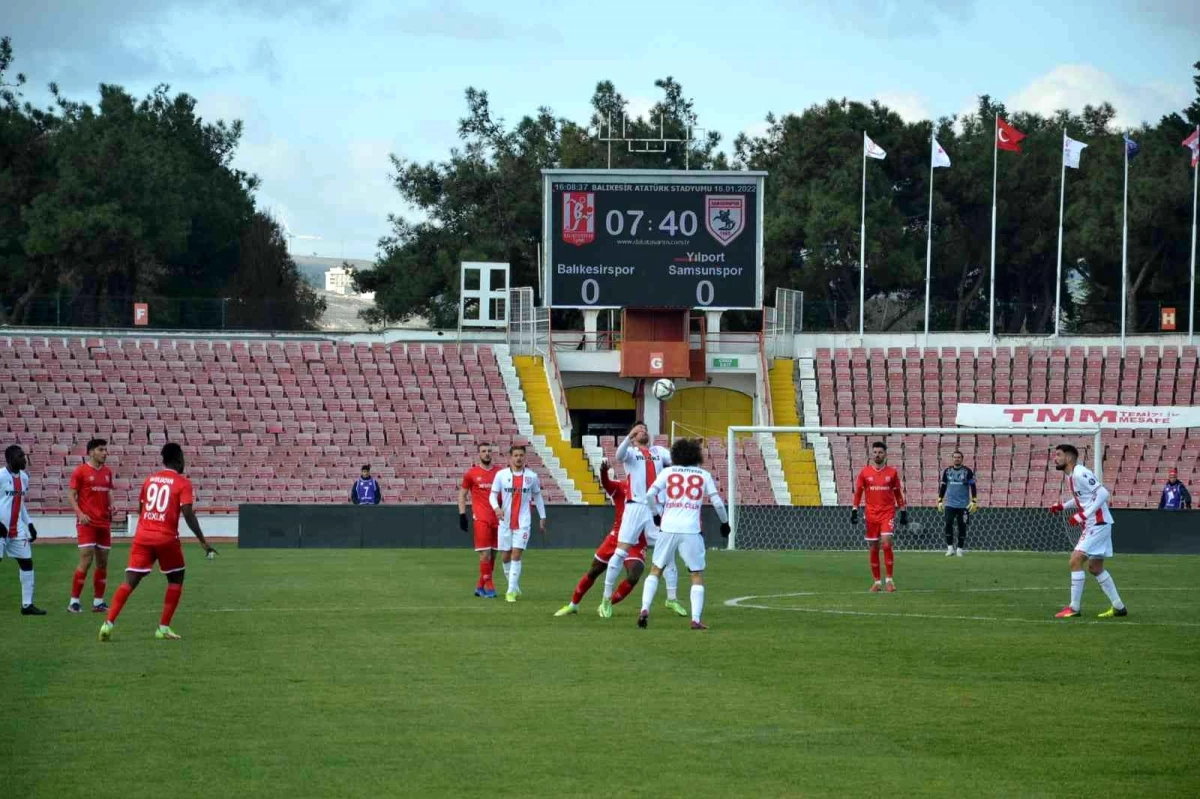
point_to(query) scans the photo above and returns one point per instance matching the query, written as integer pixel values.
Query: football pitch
(377, 673)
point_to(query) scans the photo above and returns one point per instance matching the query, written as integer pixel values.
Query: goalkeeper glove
(724, 529)
(904, 517)
(1077, 519)
(941, 506)
(974, 506)
(854, 516)
(462, 522)
(1056, 508)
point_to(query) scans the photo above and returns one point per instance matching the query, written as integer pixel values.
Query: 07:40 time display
(615, 223)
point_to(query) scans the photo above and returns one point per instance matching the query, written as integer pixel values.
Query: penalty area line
(747, 602)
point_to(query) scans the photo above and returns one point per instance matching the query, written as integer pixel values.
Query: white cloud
(911, 107)
(1072, 86)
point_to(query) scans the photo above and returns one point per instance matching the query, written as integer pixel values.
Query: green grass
(376, 673)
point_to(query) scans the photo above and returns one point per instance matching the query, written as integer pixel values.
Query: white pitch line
(744, 602)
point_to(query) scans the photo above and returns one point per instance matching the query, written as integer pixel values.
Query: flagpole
(992, 294)
(862, 244)
(1192, 282)
(1062, 194)
(929, 238)
(1124, 241)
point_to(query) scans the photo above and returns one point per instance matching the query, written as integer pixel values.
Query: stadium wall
(405, 526)
(581, 527)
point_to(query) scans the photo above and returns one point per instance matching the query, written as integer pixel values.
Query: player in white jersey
(513, 491)
(682, 488)
(16, 528)
(1089, 503)
(642, 463)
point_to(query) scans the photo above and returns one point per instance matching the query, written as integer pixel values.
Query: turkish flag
(1007, 137)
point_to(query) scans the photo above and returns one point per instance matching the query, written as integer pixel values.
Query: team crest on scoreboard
(724, 216)
(579, 217)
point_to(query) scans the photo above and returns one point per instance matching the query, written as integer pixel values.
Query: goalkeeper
(956, 500)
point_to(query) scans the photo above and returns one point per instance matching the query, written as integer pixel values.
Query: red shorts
(142, 557)
(486, 535)
(90, 535)
(880, 525)
(609, 545)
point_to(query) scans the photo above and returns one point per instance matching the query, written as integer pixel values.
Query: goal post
(1013, 469)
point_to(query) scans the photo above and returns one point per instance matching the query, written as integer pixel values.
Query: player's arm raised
(714, 497)
(606, 482)
(625, 448)
(541, 504)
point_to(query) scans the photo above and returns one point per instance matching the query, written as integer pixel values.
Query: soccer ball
(663, 390)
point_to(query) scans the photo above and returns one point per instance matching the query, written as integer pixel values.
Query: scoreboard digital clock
(653, 239)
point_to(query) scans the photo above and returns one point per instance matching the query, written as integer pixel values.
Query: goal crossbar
(731, 446)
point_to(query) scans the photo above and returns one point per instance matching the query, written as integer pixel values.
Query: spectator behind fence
(1175, 495)
(365, 490)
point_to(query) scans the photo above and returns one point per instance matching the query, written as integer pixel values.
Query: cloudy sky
(328, 88)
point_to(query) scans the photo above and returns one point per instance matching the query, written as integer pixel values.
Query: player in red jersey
(635, 561)
(90, 496)
(166, 495)
(881, 485)
(478, 481)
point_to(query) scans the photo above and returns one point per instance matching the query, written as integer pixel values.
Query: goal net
(1014, 471)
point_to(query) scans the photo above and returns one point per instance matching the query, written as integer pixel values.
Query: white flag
(1071, 151)
(939, 155)
(871, 149)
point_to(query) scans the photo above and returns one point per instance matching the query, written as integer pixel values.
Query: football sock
(99, 582)
(671, 577)
(1110, 589)
(888, 559)
(648, 592)
(118, 602)
(26, 588)
(585, 584)
(508, 571)
(875, 564)
(77, 584)
(615, 564)
(1076, 589)
(483, 574)
(622, 591)
(697, 602)
(491, 571)
(170, 602)
(514, 576)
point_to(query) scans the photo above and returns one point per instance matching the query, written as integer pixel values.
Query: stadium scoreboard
(652, 239)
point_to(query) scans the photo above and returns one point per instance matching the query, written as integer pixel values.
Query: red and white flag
(1193, 143)
(1008, 137)
(940, 157)
(871, 149)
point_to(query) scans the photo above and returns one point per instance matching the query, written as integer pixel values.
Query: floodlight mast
(647, 145)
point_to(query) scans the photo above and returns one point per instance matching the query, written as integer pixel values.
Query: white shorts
(636, 520)
(18, 548)
(1096, 541)
(514, 539)
(690, 547)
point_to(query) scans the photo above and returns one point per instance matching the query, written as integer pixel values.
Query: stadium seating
(260, 420)
(922, 388)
